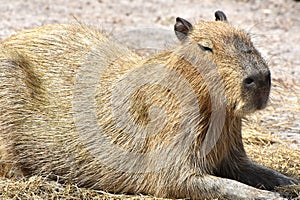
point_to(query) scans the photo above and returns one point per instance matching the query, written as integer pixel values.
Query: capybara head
(244, 73)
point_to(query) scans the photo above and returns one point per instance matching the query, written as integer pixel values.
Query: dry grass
(37, 187)
(261, 141)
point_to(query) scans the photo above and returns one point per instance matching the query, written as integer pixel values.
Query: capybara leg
(253, 174)
(263, 177)
(200, 187)
(12, 100)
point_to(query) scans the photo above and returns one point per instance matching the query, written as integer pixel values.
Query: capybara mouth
(261, 104)
(261, 98)
(247, 107)
(255, 97)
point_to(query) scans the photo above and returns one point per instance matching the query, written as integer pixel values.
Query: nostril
(249, 82)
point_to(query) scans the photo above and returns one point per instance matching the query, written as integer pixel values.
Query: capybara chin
(80, 107)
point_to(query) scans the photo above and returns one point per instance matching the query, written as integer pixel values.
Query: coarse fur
(153, 116)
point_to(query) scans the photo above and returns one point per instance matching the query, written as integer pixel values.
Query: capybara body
(82, 108)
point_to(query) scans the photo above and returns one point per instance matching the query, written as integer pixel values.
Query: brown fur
(47, 119)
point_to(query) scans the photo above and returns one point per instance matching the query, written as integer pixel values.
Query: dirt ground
(148, 25)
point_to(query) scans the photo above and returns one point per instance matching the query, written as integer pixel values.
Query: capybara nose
(257, 89)
(258, 81)
(249, 82)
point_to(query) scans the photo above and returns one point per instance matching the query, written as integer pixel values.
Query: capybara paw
(284, 181)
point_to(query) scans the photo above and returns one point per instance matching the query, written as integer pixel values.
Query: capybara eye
(248, 51)
(204, 48)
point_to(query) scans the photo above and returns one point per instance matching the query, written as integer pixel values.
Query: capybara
(82, 108)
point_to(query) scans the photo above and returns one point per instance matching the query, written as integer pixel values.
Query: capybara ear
(220, 16)
(182, 28)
